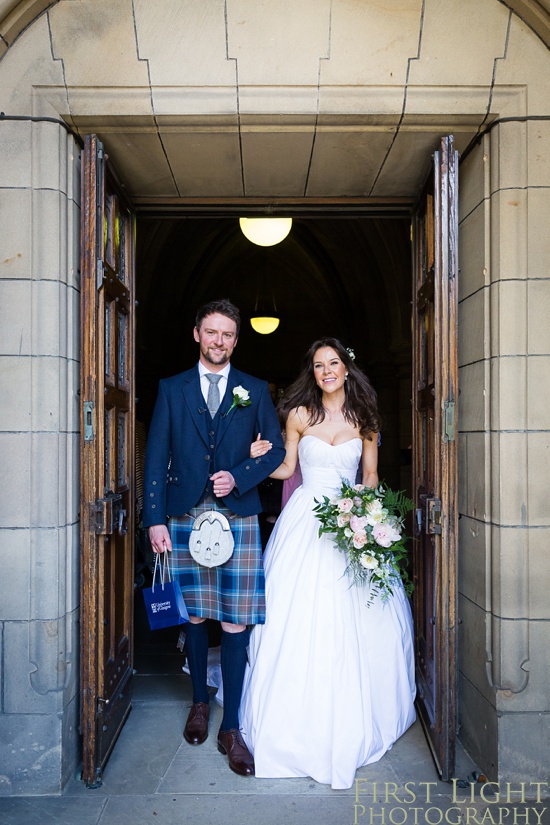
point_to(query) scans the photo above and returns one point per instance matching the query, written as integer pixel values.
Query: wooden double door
(107, 456)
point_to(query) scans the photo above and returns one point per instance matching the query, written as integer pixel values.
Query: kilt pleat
(234, 592)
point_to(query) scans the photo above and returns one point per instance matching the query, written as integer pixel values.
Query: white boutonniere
(241, 398)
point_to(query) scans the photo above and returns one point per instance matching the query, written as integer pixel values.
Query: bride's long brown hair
(360, 406)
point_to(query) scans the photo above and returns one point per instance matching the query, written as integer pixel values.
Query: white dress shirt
(205, 383)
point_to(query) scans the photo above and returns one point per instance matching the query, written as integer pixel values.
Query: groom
(197, 460)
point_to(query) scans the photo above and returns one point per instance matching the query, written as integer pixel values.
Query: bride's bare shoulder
(297, 418)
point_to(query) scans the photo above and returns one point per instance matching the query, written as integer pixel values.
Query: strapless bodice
(324, 465)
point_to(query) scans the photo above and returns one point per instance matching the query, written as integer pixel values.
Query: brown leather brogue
(231, 743)
(196, 727)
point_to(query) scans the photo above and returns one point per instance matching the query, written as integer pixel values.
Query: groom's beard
(216, 358)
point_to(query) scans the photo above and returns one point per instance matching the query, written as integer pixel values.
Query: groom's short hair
(222, 307)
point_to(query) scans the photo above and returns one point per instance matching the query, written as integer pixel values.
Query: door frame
(341, 208)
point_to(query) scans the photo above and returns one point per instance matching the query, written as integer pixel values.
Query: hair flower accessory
(367, 524)
(241, 398)
(351, 353)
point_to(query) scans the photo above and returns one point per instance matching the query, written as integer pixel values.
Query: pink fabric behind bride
(291, 484)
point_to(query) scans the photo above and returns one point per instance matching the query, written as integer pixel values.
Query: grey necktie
(213, 400)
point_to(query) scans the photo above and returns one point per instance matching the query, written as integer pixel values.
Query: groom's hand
(223, 483)
(159, 538)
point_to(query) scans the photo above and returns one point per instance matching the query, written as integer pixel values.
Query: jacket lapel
(196, 403)
(226, 417)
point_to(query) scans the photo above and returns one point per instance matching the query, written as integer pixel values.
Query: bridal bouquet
(367, 524)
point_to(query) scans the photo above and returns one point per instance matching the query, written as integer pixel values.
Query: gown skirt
(330, 683)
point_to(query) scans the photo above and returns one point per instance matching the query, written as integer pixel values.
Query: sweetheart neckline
(322, 440)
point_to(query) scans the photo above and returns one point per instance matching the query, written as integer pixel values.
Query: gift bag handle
(163, 568)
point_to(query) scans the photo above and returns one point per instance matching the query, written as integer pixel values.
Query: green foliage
(368, 525)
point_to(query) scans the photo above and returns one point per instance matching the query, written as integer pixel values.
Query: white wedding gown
(330, 686)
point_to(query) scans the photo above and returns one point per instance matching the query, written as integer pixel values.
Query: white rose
(370, 562)
(241, 393)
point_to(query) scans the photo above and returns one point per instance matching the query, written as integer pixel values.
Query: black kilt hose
(233, 592)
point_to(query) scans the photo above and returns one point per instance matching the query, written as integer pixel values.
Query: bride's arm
(369, 461)
(293, 432)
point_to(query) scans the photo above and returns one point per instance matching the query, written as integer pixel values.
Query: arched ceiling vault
(16, 15)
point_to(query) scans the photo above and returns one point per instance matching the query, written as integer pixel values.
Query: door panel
(107, 458)
(435, 388)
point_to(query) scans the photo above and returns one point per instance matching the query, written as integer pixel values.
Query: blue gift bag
(164, 600)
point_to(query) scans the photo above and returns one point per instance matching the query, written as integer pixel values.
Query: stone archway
(359, 118)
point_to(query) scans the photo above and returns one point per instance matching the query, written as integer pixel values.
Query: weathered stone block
(15, 317)
(15, 393)
(509, 402)
(47, 388)
(15, 450)
(49, 235)
(34, 681)
(538, 456)
(278, 54)
(523, 748)
(508, 156)
(30, 754)
(473, 539)
(15, 557)
(538, 392)
(525, 674)
(196, 55)
(49, 157)
(509, 471)
(287, 171)
(15, 219)
(49, 478)
(508, 307)
(446, 30)
(473, 652)
(473, 324)
(378, 37)
(98, 44)
(538, 153)
(472, 401)
(526, 64)
(538, 313)
(538, 238)
(509, 250)
(16, 145)
(508, 572)
(473, 181)
(478, 727)
(49, 318)
(216, 158)
(473, 255)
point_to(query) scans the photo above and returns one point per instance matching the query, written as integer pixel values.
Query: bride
(330, 683)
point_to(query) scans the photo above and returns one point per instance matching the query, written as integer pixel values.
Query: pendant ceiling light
(265, 231)
(265, 319)
(264, 324)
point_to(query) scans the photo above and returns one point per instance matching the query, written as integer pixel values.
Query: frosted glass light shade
(265, 231)
(264, 324)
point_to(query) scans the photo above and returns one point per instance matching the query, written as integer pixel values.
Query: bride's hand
(259, 447)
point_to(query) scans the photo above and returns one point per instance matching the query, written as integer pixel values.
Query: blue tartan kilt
(234, 592)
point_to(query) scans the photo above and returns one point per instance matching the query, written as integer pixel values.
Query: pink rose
(359, 487)
(359, 539)
(343, 519)
(358, 523)
(345, 505)
(383, 534)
